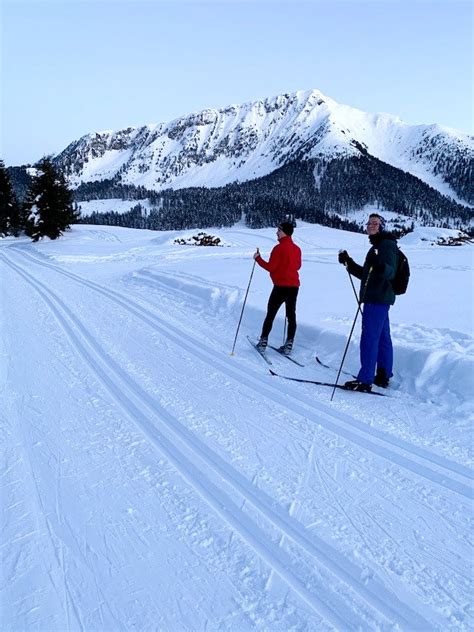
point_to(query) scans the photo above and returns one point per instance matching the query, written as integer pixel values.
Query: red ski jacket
(284, 263)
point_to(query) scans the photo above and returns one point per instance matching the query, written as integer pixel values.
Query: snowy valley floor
(152, 481)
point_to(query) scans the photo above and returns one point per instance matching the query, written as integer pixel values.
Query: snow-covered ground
(112, 205)
(153, 481)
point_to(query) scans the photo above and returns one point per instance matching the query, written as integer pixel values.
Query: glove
(343, 257)
(256, 254)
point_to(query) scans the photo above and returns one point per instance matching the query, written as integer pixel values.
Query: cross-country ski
(288, 357)
(261, 353)
(319, 383)
(332, 368)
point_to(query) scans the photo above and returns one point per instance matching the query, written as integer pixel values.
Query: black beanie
(287, 228)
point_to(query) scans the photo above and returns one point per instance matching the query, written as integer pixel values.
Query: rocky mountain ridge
(239, 143)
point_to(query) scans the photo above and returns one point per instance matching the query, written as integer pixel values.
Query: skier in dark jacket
(283, 265)
(377, 295)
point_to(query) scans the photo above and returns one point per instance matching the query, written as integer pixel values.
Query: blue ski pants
(375, 343)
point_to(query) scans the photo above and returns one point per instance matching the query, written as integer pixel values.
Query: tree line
(317, 191)
(323, 191)
(48, 207)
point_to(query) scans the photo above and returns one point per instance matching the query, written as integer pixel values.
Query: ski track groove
(338, 613)
(399, 443)
(41, 516)
(355, 431)
(373, 592)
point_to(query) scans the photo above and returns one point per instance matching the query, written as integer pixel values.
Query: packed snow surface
(153, 481)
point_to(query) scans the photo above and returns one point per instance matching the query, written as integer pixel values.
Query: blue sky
(71, 68)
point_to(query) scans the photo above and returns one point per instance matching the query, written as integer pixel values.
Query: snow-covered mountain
(238, 143)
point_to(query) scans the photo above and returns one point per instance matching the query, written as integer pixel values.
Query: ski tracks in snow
(204, 470)
(131, 398)
(435, 468)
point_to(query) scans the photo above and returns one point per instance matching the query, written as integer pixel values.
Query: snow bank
(430, 235)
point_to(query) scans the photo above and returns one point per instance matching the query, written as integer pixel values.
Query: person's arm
(298, 259)
(272, 263)
(354, 268)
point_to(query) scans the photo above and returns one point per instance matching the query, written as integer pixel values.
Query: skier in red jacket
(283, 266)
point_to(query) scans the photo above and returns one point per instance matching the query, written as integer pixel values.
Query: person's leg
(373, 320)
(385, 351)
(290, 305)
(275, 301)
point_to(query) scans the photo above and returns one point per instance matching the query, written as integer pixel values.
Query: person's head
(376, 224)
(284, 229)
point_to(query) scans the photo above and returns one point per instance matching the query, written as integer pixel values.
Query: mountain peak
(215, 147)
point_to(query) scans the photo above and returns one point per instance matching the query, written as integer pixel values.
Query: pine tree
(49, 203)
(10, 220)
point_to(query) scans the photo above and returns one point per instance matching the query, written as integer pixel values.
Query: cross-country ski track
(336, 582)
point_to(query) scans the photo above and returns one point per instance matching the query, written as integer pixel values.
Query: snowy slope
(215, 147)
(150, 480)
(112, 205)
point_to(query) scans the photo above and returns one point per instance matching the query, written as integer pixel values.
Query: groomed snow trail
(151, 481)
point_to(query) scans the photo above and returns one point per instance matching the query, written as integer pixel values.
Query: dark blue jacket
(381, 261)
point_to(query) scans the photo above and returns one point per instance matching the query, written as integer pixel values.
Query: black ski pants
(281, 294)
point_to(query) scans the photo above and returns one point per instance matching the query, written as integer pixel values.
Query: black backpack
(402, 275)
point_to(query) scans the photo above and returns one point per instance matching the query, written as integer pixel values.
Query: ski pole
(353, 288)
(350, 334)
(284, 330)
(243, 307)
